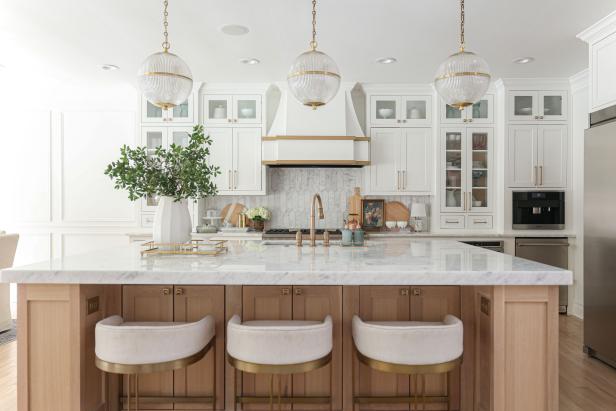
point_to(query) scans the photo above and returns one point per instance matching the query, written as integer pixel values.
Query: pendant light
(464, 77)
(314, 78)
(164, 79)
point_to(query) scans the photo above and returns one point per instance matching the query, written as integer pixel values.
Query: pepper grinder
(298, 238)
(326, 238)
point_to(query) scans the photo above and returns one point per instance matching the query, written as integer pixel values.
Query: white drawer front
(452, 221)
(479, 222)
(147, 220)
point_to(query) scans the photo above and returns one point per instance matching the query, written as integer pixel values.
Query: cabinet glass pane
(416, 109)
(523, 105)
(217, 109)
(154, 139)
(453, 141)
(480, 160)
(552, 105)
(452, 112)
(453, 197)
(480, 109)
(453, 160)
(180, 138)
(247, 109)
(454, 179)
(181, 111)
(385, 109)
(153, 111)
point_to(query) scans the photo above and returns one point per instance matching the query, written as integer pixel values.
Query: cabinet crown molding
(539, 83)
(579, 81)
(599, 30)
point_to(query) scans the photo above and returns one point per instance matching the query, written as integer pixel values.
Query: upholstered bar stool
(414, 348)
(133, 348)
(279, 348)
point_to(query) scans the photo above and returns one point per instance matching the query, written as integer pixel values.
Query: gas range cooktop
(289, 233)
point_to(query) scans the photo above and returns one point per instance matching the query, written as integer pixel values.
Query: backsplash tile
(290, 192)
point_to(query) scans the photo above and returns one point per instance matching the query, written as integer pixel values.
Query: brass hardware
(235, 120)
(166, 291)
(326, 238)
(311, 138)
(464, 199)
(398, 180)
(465, 120)
(235, 178)
(303, 367)
(540, 175)
(285, 291)
(298, 238)
(162, 73)
(404, 121)
(462, 74)
(179, 291)
(298, 291)
(535, 173)
(228, 120)
(451, 221)
(404, 291)
(485, 305)
(172, 400)
(312, 72)
(229, 179)
(404, 179)
(194, 247)
(315, 199)
(316, 162)
(470, 120)
(399, 121)
(93, 304)
(416, 291)
(541, 117)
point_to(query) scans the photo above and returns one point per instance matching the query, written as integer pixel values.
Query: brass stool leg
(235, 390)
(128, 392)
(415, 391)
(279, 391)
(331, 386)
(271, 392)
(214, 376)
(447, 383)
(423, 392)
(137, 392)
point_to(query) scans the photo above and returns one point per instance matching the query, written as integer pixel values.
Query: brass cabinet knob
(166, 291)
(416, 291)
(404, 291)
(285, 291)
(179, 291)
(299, 291)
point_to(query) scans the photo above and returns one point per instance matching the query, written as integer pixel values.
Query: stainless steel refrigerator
(600, 236)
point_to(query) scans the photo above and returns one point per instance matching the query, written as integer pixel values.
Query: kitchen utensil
(525, 110)
(477, 203)
(386, 112)
(402, 224)
(396, 211)
(247, 112)
(231, 212)
(415, 113)
(390, 224)
(220, 112)
(355, 204)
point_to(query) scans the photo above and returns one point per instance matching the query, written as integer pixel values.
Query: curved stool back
(133, 348)
(279, 348)
(413, 348)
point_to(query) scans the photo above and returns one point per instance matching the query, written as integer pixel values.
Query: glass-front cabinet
(231, 109)
(481, 112)
(400, 111)
(537, 105)
(183, 113)
(466, 182)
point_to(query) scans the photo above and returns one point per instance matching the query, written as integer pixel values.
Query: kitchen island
(509, 307)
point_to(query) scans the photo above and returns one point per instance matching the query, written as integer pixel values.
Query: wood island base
(510, 360)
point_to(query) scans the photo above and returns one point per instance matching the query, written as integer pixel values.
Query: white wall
(579, 123)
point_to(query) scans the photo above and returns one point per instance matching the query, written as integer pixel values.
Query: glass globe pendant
(164, 78)
(314, 78)
(464, 77)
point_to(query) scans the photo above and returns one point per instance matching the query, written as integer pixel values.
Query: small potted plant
(174, 174)
(258, 216)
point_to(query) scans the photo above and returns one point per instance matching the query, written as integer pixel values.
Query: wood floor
(585, 384)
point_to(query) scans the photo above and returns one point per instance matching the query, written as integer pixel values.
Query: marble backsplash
(290, 192)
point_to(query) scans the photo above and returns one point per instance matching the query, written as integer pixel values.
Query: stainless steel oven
(538, 210)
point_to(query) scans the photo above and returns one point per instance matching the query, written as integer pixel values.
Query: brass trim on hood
(315, 162)
(279, 138)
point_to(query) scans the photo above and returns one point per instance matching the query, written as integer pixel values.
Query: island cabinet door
(314, 303)
(149, 303)
(264, 303)
(432, 303)
(383, 303)
(192, 303)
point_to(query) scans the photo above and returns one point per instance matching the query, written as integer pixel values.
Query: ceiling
(69, 39)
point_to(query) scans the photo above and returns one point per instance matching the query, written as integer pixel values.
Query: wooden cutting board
(396, 211)
(231, 213)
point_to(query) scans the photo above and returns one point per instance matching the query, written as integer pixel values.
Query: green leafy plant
(178, 172)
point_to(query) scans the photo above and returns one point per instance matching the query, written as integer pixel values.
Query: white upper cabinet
(231, 109)
(221, 155)
(537, 156)
(531, 106)
(401, 161)
(400, 111)
(481, 112)
(183, 113)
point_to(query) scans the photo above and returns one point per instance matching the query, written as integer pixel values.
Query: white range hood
(328, 136)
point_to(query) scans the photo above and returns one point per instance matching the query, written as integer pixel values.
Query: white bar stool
(133, 348)
(279, 348)
(414, 348)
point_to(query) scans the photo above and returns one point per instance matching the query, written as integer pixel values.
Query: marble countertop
(394, 261)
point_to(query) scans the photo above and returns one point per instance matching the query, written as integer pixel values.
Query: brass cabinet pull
(179, 291)
(404, 179)
(404, 291)
(229, 179)
(298, 291)
(451, 221)
(416, 291)
(285, 291)
(464, 200)
(166, 291)
(235, 180)
(398, 179)
(535, 174)
(540, 175)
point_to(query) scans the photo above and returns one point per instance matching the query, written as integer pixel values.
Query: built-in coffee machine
(538, 210)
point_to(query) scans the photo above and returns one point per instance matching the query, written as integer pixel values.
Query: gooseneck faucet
(316, 198)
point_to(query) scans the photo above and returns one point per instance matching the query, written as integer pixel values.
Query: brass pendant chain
(461, 25)
(313, 43)
(166, 45)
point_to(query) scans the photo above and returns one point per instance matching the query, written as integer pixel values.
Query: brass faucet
(316, 198)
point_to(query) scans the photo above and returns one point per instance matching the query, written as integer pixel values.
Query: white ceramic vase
(172, 221)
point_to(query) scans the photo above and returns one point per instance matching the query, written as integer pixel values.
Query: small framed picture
(372, 214)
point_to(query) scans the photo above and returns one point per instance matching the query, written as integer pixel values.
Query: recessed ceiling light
(109, 67)
(386, 60)
(234, 29)
(523, 60)
(250, 61)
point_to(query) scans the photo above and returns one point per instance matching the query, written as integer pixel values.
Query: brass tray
(194, 247)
